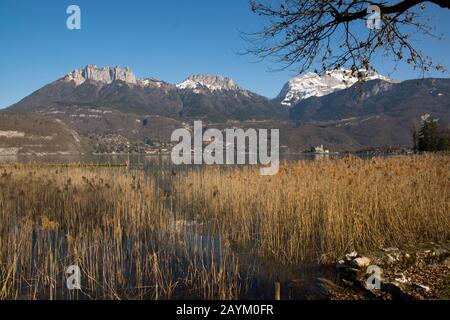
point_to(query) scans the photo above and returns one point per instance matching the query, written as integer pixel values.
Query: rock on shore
(411, 272)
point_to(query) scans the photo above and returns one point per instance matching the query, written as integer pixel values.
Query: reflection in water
(258, 274)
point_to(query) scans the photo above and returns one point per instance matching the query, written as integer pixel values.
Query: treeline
(431, 137)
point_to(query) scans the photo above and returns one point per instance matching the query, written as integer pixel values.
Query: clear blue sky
(164, 39)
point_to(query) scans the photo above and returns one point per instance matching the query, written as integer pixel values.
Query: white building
(321, 150)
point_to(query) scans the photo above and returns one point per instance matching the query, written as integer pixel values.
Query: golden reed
(135, 237)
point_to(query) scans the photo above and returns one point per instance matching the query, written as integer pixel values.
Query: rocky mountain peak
(316, 85)
(105, 75)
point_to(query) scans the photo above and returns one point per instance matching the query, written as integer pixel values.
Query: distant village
(117, 144)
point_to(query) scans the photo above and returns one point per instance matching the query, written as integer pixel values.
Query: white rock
(104, 75)
(361, 262)
(426, 288)
(391, 249)
(390, 259)
(12, 134)
(350, 256)
(402, 279)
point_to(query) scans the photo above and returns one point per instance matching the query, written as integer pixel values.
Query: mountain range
(341, 109)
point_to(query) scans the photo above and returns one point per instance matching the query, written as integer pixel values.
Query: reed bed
(319, 210)
(116, 225)
(202, 233)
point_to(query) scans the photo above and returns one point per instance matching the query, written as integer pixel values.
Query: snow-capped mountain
(202, 83)
(314, 85)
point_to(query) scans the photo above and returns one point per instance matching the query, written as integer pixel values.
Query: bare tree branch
(328, 33)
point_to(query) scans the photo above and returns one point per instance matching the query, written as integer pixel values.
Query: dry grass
(130, 233)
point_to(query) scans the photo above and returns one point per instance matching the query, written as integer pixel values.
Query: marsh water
(259, 273)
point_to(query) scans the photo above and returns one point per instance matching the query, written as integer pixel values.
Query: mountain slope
(378, 113)
(30, 134)
(404, 101)
(220, 98)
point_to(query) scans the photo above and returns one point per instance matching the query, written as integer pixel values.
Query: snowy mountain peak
(315, 85)
(213, 83)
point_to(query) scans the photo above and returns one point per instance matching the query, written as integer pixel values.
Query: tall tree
(433, 138)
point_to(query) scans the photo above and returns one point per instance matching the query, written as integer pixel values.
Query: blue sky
(164, 39)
